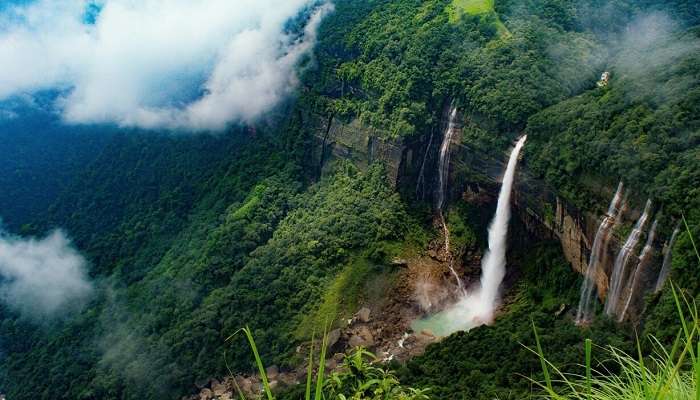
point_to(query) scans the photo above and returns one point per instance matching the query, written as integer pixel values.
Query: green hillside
(190, 237)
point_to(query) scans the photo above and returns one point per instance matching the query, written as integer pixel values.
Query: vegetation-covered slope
(190, 238)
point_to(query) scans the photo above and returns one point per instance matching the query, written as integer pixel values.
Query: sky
(156, 64)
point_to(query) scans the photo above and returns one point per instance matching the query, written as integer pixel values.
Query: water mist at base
(477, 306)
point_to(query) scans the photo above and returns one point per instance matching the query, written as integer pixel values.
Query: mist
(157, 64)
(651, 48)
(42, 278)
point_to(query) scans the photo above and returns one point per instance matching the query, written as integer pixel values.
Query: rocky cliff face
(357, 142)
(411, 168)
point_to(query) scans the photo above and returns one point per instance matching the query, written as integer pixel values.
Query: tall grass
(662, 375)
(359, 378)
(318, 393)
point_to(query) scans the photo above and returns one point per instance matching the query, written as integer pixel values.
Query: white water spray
(493, 267)
(668, 258)
(644, 259)
(443, 177)
(600, 245)
(478, 306)
(619, 269)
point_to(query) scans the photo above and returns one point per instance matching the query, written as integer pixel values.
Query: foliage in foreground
(358, 378)
(662, 375)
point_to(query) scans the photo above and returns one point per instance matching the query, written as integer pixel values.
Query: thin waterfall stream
(668, 257)
(443, 177)
(584, 314)
(644, 260)
(619, 273)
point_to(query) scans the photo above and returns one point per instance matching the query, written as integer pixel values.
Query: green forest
(190, 237)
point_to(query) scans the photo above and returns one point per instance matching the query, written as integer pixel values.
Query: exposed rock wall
(359, 143)
(543, 213)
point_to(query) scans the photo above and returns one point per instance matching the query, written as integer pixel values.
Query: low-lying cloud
(41, 278)
(175, 64)
(651, 42)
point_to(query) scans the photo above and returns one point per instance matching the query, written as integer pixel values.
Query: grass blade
(321, 366)
(543, 362)
(258, 361)
(310, 369)
(588, 369)
(690, 235)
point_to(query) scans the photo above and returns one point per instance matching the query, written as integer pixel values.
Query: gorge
(405, 199)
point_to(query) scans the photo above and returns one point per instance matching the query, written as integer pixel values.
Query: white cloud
(42, 277)
(157, 63)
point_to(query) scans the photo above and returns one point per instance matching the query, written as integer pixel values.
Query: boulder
(272, 372)
(205, 394)
(399, 262)
(333, 337)
(363, 314)
(245, 384)
(362, 338)
(219, 389)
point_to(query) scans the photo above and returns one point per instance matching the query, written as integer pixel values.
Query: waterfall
(443, 177)
(644, 259)
(421, 174)
(444, 163)
(600, 245)
(477, 307)
(668, 258)
(493, 267)
(619, 268)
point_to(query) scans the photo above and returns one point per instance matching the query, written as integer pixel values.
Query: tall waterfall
(620, 267)
(644, 260)
(600, 245)
(668, 258)
(493, 266)
(477, 307)
(443, 177)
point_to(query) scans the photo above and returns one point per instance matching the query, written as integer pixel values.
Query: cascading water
(421, 174)
(668, 257)
(644, 260)
(443, 177)
(493, 267)
(477, 307)
(600, 245)
(619, 269)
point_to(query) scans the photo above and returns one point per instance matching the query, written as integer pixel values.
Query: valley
(445, 184)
